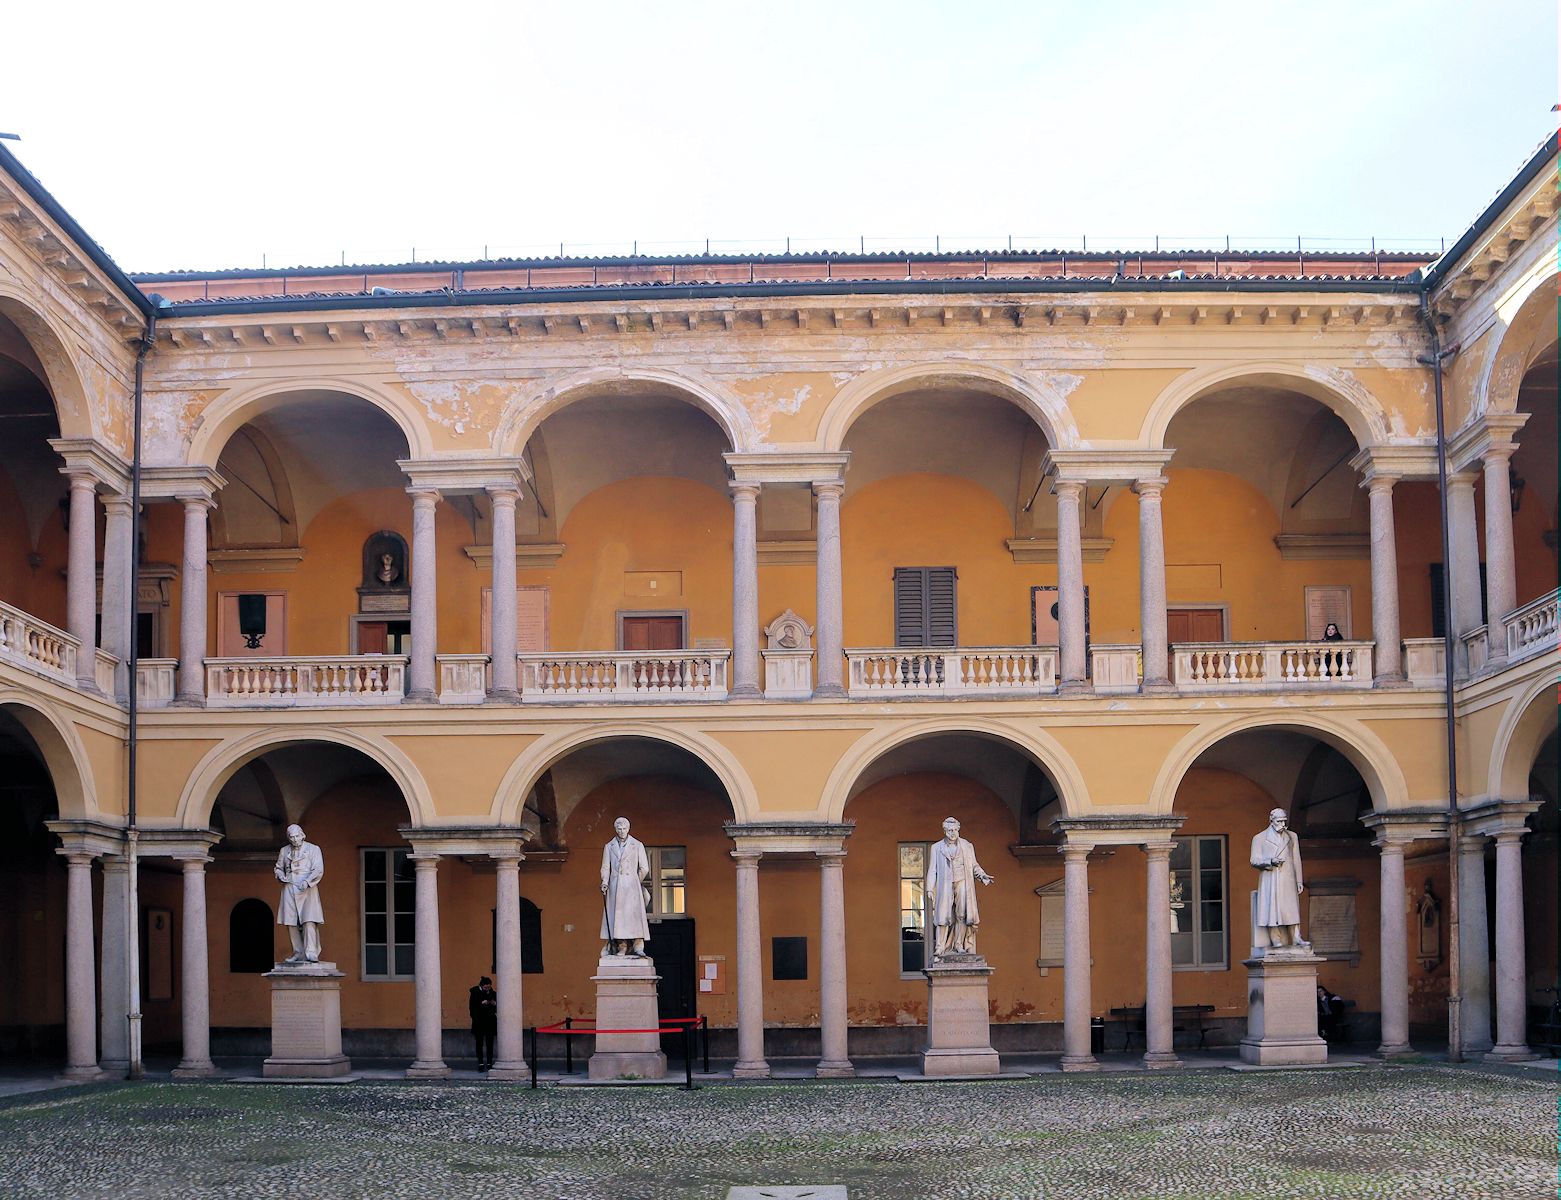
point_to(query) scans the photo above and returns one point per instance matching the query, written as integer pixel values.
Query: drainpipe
(133, 906)
(1454, 967)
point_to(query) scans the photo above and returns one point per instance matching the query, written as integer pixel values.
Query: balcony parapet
(463, 678)
(624, 676)
(1425, 662)
(1234, 666)
(155, 681)
(956, 671)
(39, 646)
(1116, 669)
(353, 680)
(1531, 630)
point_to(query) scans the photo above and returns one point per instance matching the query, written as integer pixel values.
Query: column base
(196, 1070)
(751, 1070)
(1394, 1050)
(835, 1069)
(1074, 687)
(421, 696)
(1390, 681)
(84, 1074)
(508, 1072)
(183, 701)
(1161, 1060)
(428, 1070)
(1085, 1062)
(745, 691)
(500, 696)
(1157, 687)
(829, 691)
(1501, 1053)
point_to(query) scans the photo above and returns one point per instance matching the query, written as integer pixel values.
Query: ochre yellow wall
(38, 590)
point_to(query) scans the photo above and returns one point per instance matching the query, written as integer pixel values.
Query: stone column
(192, 602)
(81, 583)
(502, 609)
(1511, 969)
(119, 587)
(81, 1035)
(1501, 584)
(1474, 951)
(115, 982)
(750, 966)
(831, 619)
(1464, 542)
(1386, 658)
(430, 1016)
(1159, 1025)
(745, 590)
(509, 1050)
(1070, 585)
(1393, 943)
(834, 1022)
(1076, 1055)
(425, 596)
(195, 992)
(1151, 583)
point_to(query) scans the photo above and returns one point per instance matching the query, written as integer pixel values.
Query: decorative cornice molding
(1105, 466)
(261, 560)
(804, 466)
(88, 456)
(1028, 551)
(453, 476)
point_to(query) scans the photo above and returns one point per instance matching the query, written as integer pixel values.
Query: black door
(671, 945)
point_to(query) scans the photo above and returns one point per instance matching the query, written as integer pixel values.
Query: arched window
(251, 938)
(530, 939)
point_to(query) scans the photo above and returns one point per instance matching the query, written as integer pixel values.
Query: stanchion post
(704, 1027)
(688, 1058)
(532, 1034)
(569, 1047)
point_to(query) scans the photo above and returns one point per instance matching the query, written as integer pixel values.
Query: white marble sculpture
(952, 871)
(1276, 853)
(300, 867)
(625, 868)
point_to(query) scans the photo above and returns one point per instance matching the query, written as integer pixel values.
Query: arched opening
(251, 937)
(1540, 885)
(1536, 516)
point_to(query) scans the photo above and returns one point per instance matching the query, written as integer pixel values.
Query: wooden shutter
(925, 607)
(942, 618)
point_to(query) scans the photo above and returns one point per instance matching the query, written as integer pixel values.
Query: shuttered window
(1438, 614)
(924, 607)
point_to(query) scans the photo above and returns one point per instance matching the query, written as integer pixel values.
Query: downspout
(132, 699)
(1449, 636)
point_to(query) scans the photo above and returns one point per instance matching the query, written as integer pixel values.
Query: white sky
(204, 135)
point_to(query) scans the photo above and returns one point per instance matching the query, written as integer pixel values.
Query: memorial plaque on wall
(1331, 925)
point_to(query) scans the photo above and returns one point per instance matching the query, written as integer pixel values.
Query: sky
(199, 136)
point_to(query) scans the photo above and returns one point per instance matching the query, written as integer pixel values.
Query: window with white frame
(913, 906)
(668, 880)
(1200, 910)
(389, 914)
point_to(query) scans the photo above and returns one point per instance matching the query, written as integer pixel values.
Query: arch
(524, 415)
(1365, 751)
(510, 798)
(225, 415)
(1046, 404)
(50, 342)
(1036, 744)
(1531, 328)
(220, 763)
(1331, 387)
(1522, 731)
(251, 937)
(70, 771)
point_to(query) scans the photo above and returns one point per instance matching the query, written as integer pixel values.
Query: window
(389, 915)
(530, 938)
(913, 907)
(924, 608)
(788, 958)
(668, 880)
(251, 938)
(1198, 906)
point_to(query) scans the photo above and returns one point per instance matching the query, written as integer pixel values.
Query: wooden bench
(1133, 1022)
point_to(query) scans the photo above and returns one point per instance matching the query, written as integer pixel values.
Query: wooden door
(372, 636)
(1194, 625)
(652, 633)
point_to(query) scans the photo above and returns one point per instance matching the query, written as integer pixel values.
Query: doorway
(652, 632)
(671, 945)
(384, 637)
(1194, 625)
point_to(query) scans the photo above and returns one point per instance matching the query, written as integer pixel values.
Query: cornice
(1524, 220)
(805, 466)
(452, 475)
(1488, 431)
(1105, 466)
(89, 456)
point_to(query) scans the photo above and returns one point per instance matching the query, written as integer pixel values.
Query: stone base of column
(626, 999)
(305, 1022)
(1086, 1063)
(1389, 681)
(1394, 1050)
(187, 702)
(505, 1072)
(745, 692)
(1161, 1060)
(437, 1069)
(84, 1074)
(196, 1070)
(421, 696)
(1282, 1010)
(500, 696)
(829, 691)
(114, 1066)
(1505, 1053)
(833, 1069)
(1157, 687)
(959, 1029)
(1074, 687)
(751, 1070)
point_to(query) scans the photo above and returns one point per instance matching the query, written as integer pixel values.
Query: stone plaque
(1331, 922)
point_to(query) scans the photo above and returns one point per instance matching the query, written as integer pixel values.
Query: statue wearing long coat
(951, 885)
(304, 865)
(624, 870)
(1278, 890)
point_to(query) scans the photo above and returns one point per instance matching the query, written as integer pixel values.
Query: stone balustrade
(155, 681)
(1476, 649)
(1532, 629)
(1229, 666)
(956, 671)
(38, 646)
(1115, 669)
(624, 676)
(463, 678)
(1425, 662)
(104, 665)
(362, 679)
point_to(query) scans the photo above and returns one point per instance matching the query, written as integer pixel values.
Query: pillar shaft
(750, 979)
(1151, 582)
(1386, 658)
(831, 633)
(81, 1035)
(195, 991)
(509, 1044)
(425, 597)
(502, 608)
(1511, 967)
(192, 603)
(1070, 584)
(81, 582)
(745, 589)
(430, 1018)
(833, 1018)
(119, 587)
(1501, 585)
(1394, 945)
(1159, 1026)
(1076, 1055)
(115, 982)
(1474, 952)
(1464, 547)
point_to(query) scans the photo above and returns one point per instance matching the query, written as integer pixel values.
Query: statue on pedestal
(1276, 853)
(952, 871)
(625, 868)
(300, 867)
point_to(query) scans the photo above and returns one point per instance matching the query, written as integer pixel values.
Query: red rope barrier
(668, 1028)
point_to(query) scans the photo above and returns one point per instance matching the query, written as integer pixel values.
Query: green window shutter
(925, 608)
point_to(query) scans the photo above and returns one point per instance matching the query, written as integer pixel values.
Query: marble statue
(625, 868)
(300, 866)
(952, 871)
(1276, 853)
(387, 572)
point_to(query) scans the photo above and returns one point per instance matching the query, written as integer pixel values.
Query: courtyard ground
(1423, 1130)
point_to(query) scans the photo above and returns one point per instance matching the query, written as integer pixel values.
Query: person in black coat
(484, 1006)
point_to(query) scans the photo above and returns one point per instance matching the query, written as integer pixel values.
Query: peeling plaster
(456, 406)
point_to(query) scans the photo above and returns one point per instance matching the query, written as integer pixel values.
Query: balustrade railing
(463, 678)
(1115, 669)
(1475, 649)
(1532, 628)
(37, 645)
(155, 681)
(624, 676)
(360, 679)
(956, 671)
(104, 665)
(1220, 666)
(1425, 662)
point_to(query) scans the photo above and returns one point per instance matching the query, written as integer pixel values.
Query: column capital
(180, 483)
(503, 495)
(1151, 487)
(1472, 843)
(424, 496)
(86, 837)
(744, 491)
(1488, 433)
(1116, 467)
(1073, 852)
(117, 504)
(1395, 462)
(1407, 825)
(193, 862)
(1158, 850)
(1462, 481)
(1072, 488)
(425, 860)
(831, 858)
(747, 857)
(93, 459)
(829, 489)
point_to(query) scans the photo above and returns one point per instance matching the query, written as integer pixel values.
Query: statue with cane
(625, 868)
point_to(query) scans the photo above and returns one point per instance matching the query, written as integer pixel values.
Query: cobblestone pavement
(1422, 1131)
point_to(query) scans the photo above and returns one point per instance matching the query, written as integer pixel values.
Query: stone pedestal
(1282, 1010)
(626, 999)
(959, 1030)
(306, 1022)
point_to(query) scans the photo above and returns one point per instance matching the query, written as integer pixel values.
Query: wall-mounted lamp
(252, 620)
(1517, 485)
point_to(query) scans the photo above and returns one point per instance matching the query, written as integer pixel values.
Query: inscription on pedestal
(306, 1023)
